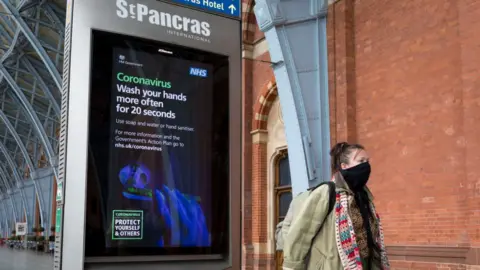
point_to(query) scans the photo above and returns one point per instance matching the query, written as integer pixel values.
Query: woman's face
(356, 157)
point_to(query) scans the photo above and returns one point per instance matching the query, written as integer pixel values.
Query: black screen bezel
(103, 44)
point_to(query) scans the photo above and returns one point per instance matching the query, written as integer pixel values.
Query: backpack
(331, 205)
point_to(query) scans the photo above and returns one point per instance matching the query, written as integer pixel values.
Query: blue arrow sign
(226, 7)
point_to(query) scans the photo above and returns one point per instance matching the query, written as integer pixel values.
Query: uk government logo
(122, 60)
(176, 25)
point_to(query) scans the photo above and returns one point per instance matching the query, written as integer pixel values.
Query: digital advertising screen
(158, 174)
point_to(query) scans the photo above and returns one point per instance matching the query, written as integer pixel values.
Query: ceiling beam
(43, 86)
(27, 158)
(33, 71)
(6, 215)
(12, 46)
(9, 9)
(57, 9)
(59, 24)
(35, 121)
(9, 192)
(16, 176)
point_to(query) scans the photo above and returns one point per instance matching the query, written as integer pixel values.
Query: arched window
(283, 194)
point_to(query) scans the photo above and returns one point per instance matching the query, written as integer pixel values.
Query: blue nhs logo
(200, 72)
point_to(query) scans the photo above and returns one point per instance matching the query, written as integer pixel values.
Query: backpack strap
(332, 194)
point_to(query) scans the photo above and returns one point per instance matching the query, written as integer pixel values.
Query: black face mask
(357, 177)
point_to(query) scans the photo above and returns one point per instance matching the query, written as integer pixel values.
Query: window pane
(285, 199)
(284, 172)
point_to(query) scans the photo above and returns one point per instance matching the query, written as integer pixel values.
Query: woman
(350, 236)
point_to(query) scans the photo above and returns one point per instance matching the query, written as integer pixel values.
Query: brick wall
(469, 23)
(404, 82)
(256, 77)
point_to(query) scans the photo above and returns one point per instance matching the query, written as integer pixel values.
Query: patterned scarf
(346, 239)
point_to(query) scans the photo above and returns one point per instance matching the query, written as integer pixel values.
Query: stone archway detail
(263, 105)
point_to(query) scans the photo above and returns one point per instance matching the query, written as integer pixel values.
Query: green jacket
(284, 226)
(304, 248)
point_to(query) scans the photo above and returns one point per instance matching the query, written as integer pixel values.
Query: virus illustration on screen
(135, 179)
(135, 175)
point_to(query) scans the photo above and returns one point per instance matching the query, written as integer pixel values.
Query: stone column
(261, 258)
(247, 92)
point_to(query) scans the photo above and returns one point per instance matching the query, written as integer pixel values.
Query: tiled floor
(24, 260)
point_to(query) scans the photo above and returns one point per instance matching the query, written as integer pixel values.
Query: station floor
(24, 260)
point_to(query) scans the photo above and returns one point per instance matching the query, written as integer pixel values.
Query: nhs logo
(200, 72)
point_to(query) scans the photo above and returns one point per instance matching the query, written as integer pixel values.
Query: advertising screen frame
(189, 28)
(113, 52)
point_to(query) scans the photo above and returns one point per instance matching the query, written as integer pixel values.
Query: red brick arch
(263, 105)
(257, 204)
(248, 18)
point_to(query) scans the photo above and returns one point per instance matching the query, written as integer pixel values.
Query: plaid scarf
(346, 239)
